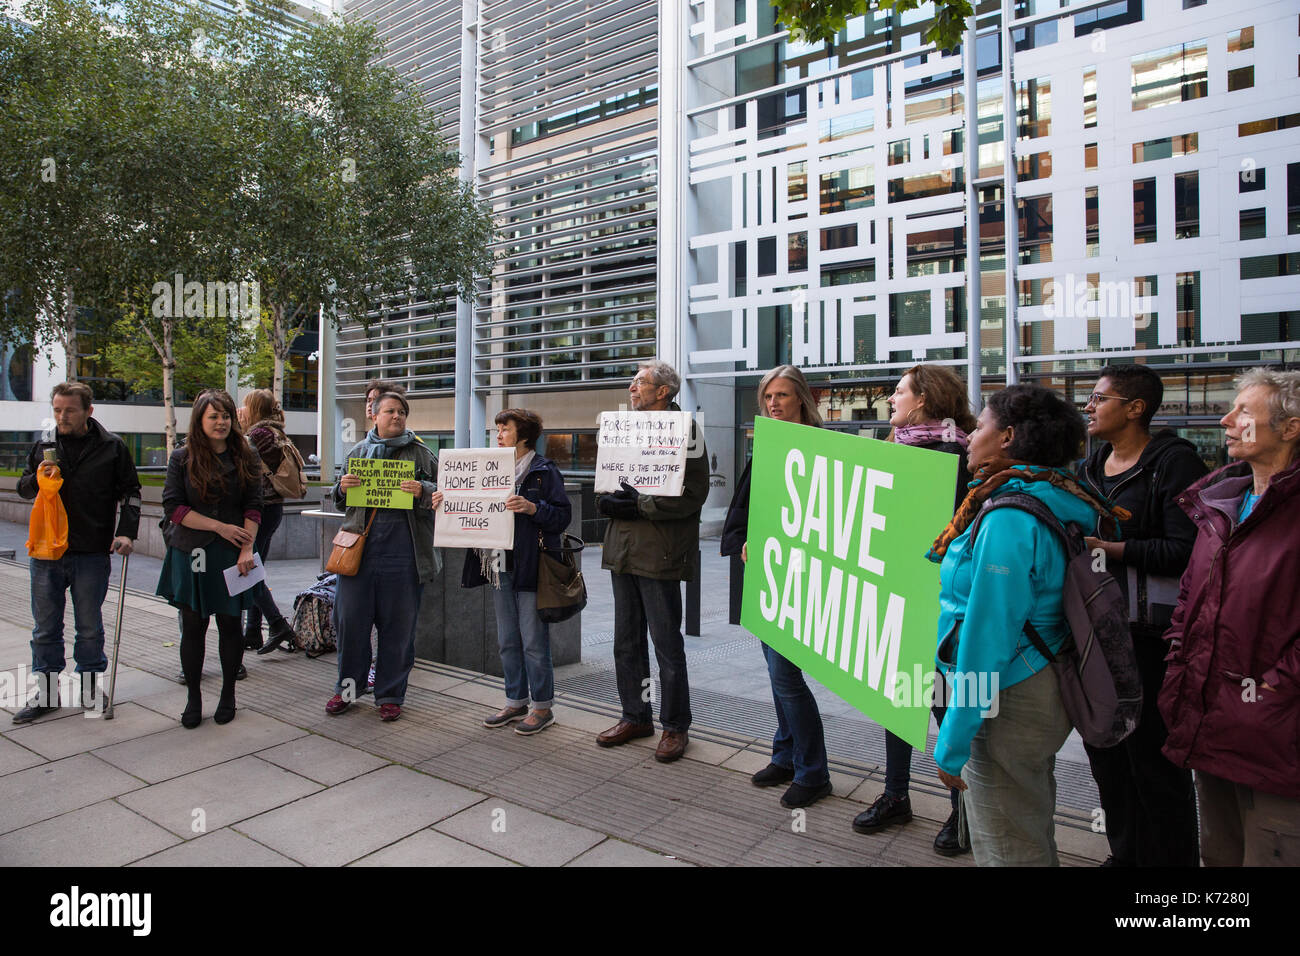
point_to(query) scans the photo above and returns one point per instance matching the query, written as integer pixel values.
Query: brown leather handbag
(345, 558)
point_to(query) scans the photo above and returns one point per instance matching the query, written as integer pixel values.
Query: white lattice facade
(1156, 158)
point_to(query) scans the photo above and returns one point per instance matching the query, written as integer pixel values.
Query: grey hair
(1284, 392)
(811, 416)
(664, 374)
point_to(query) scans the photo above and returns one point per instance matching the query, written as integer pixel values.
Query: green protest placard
(837, 580)
(381, 480)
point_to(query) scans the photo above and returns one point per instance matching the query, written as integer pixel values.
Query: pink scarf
(929, 433)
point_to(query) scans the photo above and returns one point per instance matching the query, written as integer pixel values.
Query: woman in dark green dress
(213, 502)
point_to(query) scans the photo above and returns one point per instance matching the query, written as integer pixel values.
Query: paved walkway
(285, 784)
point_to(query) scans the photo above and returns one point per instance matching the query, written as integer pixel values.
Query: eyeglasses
(1096, 398)
(642, 383)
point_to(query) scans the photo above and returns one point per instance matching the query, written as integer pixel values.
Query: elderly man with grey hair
(650, 545)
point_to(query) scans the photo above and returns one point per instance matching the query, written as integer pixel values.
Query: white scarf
(492, 562)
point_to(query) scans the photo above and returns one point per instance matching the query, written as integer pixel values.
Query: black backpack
(1097, 669)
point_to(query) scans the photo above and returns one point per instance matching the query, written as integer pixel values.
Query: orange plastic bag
(47, 531)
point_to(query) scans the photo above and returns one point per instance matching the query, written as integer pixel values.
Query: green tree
(65, 85)
(351, 198)
(118, 157)
(820, 20)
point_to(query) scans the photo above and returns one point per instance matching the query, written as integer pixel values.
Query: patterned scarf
(995, 473)
(930, 433)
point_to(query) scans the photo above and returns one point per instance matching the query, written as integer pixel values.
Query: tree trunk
(69, 342)
(168, 377)
(280, 350)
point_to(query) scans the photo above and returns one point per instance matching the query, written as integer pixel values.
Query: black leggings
(194, 629)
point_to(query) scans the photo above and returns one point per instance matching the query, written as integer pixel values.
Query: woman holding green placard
(928, 409)
(397, 560)
(799, 744)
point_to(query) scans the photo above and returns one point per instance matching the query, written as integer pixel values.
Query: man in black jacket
(98, 475)
(1149, 804)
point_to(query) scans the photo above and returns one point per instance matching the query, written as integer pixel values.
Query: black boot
(281, 631)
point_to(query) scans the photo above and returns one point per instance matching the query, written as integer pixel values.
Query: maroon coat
(1238, 621)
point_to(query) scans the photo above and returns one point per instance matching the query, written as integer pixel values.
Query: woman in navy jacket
(541, 510)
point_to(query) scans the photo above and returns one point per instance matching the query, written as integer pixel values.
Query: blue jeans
(87, 575)
(525, 643)
(799, 741)
(640, 605)
(385, 594)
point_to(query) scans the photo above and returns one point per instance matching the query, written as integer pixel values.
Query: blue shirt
(1248, 503)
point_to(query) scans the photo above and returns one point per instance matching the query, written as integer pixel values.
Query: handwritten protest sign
(649, 449)
(381, 479)
(837, 580)
(475, 483)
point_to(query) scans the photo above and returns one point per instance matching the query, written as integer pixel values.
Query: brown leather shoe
(622, 732)
(671, 746)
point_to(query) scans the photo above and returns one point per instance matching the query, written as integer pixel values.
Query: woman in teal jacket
(1005, 720)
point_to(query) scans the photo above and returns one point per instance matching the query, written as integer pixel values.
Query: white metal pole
(1011, 218)
(971, 109)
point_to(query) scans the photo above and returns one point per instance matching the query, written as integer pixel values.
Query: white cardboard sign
(475, 483)
(649, 449)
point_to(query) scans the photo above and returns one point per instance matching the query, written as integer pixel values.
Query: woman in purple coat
(1231, 695)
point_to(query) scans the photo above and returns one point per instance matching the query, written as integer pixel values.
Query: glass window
(1251, 224)
(1174, 74)
(1144, 211)
(847, 189)
(1187, 205)
(1242, 78)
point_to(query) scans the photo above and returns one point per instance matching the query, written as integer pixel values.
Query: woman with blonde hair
(799, 744)
(263, 421)
(929, 409)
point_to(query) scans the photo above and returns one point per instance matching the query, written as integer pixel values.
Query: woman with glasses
(1149, 803)
(398, 559)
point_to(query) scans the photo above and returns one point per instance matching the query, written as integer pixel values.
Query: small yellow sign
(381, 479)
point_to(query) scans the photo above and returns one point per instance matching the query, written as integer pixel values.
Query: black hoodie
(94, 485)
(1158, 538)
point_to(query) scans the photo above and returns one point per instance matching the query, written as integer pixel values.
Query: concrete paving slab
(223, 848)
(707, 751)
(102, 834)
(1083, 843)
(478, 693)
(180, 751)
(842, 784)
(359, 816)
(15, 645)
(787, 848)
(78, 733)
(616, 809)
(133, 684)
(218, 796)
(617, 853)
(702, 835)
(431, 848)
(14, 757)
(430, 680)
(49, 789)
(747, 762)
(321, 759)
(584, 721)
(520, 834)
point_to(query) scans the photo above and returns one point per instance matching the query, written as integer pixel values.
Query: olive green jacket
(663, 541)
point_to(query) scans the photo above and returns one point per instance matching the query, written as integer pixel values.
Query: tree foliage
(141, 140)
(820, 20)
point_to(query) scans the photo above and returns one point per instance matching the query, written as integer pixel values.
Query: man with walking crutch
(99, 485)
